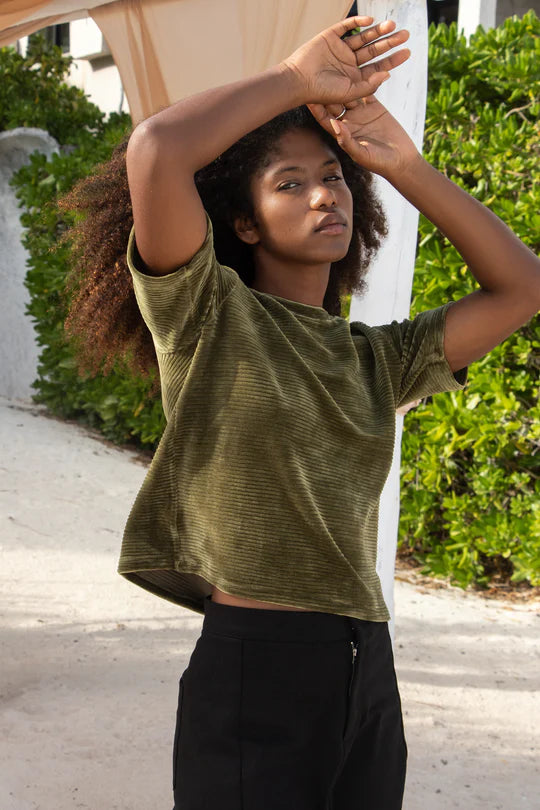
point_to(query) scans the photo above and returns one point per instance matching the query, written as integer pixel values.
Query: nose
(322, 196)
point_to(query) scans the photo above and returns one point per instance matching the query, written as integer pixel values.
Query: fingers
(335, 109)
(369, 45)
(372, 49)
(322, 115)
(370, 35)
(357, 40)
(385, 65)
(318, 111)
(370, 78)
(356, 149)
(344, 26)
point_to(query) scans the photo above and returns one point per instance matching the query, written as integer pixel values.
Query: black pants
(288, 710)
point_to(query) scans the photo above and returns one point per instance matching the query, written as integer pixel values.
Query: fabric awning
(168, 49)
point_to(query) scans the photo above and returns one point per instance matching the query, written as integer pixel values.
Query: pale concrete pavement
(90, 663)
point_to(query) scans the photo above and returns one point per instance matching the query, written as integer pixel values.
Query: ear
(246, 230)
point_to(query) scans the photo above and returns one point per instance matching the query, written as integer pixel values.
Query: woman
(252, 217)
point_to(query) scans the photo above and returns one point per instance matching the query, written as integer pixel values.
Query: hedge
(118, 405)
(470, 509)
(470, 506)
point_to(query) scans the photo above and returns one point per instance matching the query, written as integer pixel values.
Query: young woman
(253, 214)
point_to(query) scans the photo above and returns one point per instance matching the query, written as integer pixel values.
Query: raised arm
(507, 271)
(166, 150)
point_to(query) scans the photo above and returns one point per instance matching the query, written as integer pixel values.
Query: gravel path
(90, 663)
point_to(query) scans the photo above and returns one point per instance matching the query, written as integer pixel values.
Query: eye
(334, 177)
(287, 186)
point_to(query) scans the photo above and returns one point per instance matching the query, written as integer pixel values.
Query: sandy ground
(90, 663)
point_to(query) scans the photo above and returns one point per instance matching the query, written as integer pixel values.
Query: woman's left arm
(507, 271)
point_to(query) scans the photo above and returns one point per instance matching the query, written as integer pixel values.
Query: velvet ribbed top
(279, 438)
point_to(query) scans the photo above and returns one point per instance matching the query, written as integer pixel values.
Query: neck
(296, 282)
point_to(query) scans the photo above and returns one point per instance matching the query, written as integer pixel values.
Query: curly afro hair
(103, 315)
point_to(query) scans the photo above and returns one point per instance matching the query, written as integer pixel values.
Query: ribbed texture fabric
(279, 438)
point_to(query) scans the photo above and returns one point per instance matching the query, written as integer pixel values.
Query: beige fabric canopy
(168, 49)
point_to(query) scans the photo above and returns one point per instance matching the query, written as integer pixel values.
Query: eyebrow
(285, 169)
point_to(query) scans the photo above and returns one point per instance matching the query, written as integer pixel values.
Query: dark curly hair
(103, 315)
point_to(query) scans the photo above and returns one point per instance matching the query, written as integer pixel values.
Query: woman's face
(303, 208)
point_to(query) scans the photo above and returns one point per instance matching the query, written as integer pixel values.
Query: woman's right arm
(166, 150)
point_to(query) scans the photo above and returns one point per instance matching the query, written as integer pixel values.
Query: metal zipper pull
(354, 650)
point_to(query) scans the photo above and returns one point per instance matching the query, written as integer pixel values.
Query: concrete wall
(506, 8)
(18, 348)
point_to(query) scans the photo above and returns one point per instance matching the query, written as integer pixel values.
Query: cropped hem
(163, 580)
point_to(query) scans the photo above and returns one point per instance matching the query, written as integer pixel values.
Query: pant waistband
(284, 625)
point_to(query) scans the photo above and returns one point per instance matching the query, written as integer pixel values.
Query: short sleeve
(176, 306)
(414, 351)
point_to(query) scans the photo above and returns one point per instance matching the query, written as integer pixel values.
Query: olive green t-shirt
(279, 438)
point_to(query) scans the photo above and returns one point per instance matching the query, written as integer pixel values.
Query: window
(442, 11)
(57, 35)
(438, 11)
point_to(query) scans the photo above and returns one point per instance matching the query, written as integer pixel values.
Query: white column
(391, 275)
(473, 13)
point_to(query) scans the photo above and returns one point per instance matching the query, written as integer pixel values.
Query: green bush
(470, 506)
(33, 94)
(34, 90)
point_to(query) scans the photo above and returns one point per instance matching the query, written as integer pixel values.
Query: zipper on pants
(354, 650)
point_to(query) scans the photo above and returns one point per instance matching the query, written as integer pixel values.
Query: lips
(329, 221)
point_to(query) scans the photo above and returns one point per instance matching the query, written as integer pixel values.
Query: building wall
(94, 70)
(99, 79)
(506, 8)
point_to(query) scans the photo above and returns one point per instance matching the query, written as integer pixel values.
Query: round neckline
(297, 306)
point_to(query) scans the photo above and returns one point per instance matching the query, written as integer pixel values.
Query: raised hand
(371, 136)
(332, 70)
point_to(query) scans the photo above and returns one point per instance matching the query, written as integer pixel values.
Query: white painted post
(390, 278)
(473, 13)
(18, 348)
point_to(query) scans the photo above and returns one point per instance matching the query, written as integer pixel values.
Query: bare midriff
(239, 601)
